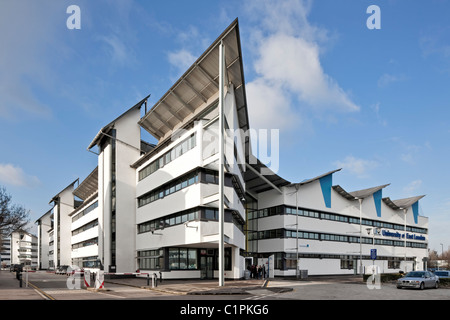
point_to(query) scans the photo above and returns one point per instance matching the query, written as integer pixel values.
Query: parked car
(444, 274)
(61, 270)
(418, 280)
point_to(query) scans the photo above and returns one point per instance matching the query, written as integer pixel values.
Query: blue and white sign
(373, 254)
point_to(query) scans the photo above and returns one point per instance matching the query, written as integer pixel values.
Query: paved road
(336, 290)
(55, 287)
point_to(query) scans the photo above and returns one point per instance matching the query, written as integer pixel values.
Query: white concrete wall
(128, 131)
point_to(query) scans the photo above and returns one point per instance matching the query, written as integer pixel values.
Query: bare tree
(12, 216)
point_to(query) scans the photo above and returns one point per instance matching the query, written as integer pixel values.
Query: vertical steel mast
(221, 161)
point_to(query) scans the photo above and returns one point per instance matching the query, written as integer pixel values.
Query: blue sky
(373, 102)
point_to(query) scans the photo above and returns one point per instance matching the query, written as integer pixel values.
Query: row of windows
(329, 216)
(168, 189)
(85, 211)
(181, 259)
(150, 259)
(171, 220)
(87, 262)
(201, 174)
(283, 233)
(87, 226)
(85, 243)
(284, 260)
(169, 156)
(198, 213)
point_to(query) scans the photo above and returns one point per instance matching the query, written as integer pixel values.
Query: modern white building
(5, 252)
(85, 224)
(335, 231)
(155, 208)
(23, 249)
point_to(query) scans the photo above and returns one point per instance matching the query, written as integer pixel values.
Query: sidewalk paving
(198, 287)
(10, 288)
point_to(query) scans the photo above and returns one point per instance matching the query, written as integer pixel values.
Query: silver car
(442, 274)
(418, 280)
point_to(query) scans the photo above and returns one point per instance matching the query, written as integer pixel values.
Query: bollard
(148, 279)
(20, 279)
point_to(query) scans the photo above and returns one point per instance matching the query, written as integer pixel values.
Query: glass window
(173, 259)
(211, 214)
(192, 259)
(183, 258)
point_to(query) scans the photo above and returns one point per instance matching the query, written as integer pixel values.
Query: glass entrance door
(206, 266)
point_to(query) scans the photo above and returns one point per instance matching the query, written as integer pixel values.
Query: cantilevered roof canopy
(109, 126)
(306, 181)
(360, 194)
(257, 182)
(57, 196)
(190, 94)
(401, 203)
(88, 187)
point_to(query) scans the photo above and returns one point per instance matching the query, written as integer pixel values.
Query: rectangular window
(173, 259)
(211, 214)
(192, 259)
(169, 156)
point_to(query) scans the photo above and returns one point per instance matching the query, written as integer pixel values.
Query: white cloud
(15, 176)
(287, 52)
(376, 109)
(387, 79)
(181, 60)
(120, 53)
(270, 107)
(192, 42)
(412, 187)
(359, 167)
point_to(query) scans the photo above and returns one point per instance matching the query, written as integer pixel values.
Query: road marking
(42, 293)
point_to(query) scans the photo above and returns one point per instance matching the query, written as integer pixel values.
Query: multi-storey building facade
(156, 207)
(336, 231)
(5, 252)
(23, 249)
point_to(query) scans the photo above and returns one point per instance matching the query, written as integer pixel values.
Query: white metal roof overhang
(256, 182)
(109, 126)
(88, 186)
(401, 203)
(306, 181)
(360, 194)
(55, 198)
(190, 94)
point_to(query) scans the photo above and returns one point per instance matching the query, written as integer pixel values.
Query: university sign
(399, 235)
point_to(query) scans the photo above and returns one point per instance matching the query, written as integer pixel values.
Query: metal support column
(221, 162)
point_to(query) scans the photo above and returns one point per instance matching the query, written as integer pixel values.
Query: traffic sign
(373, 254)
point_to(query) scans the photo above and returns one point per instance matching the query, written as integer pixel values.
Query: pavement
(10, 288)
(200, 287)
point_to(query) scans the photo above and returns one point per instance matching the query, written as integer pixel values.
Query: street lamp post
(360, 235)
(405, 210)
(296, 223)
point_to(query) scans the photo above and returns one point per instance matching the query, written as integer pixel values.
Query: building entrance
(206, 267)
